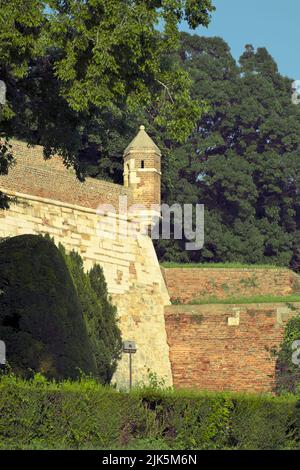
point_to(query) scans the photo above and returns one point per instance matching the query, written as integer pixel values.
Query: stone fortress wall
(212, 346)
(48, 198)
(50, 179)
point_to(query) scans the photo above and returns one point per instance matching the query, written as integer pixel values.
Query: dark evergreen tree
(41, 319)
(99, 314)
(110, 344)
(243, 160)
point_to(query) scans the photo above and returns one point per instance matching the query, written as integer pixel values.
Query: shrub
(37, 414)
(190, 420)
(264, 422)
(71, 415)
(207, 420)
(108, 332)
(41, 318)
(287, 373)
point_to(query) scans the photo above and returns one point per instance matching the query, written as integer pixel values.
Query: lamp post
(129, 347)
(2, 354)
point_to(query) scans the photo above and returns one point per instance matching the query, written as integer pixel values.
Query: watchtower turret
(142, 172)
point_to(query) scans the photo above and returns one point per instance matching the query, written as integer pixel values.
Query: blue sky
(273, 24)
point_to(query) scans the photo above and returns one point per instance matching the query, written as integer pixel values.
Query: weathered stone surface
(131, 270)
(50, 199)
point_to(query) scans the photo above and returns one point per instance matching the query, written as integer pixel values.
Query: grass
(221, 265)
(256, 299)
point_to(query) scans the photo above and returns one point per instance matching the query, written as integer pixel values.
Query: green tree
(20, 23)
(110, 346)
(69, 65)
(242, 161)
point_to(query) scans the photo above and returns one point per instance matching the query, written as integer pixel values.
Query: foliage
(20, 21)
(41, 318)
(287, 373)
(73, 67)
(63, 415)
(99, 314)
(188, 421)
(37, 414)
(259, 422)
(6, 160)
(242, 161)
(44, 289)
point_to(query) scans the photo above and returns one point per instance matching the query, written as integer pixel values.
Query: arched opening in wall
(142, 164)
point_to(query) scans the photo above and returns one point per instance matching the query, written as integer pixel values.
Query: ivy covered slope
(41, 318)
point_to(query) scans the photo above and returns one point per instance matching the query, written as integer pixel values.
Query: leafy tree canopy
(243, 159)
(99, 78)
(68, 63)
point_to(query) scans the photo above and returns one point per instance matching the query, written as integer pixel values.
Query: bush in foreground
(37, 414)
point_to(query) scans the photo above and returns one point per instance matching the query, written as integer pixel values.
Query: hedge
(37, 414)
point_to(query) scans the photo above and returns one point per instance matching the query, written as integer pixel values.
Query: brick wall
(226, 347)
(144, 180)
(50, 179)
(147, 191)
(187, 284)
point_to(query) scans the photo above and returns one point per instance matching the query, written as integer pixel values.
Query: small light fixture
(129, 347)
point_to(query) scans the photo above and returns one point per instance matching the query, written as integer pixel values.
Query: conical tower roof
(142, 141)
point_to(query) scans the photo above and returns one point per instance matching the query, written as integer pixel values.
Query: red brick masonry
(207, 353)
(187, 284)
(50, 179)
